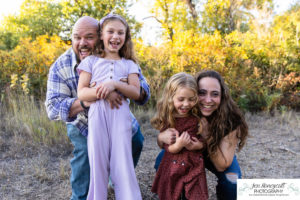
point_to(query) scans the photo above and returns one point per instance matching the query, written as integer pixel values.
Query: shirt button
(110, 77)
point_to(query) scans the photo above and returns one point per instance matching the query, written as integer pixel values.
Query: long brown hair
(227, 118)
(127, 50)
(164, 117)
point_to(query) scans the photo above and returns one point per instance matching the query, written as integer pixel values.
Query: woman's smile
(209, 95)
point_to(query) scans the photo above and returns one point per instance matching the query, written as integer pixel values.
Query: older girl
(109, 138)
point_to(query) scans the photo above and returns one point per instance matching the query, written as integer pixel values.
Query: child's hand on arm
(181, 141)
(195, 144)
(104, 89)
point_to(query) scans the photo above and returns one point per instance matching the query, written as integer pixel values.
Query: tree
(37, 17)
(74, 9)
(174, 16)
(52, 17)
(229, 15)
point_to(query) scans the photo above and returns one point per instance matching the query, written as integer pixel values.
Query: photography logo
(268, 189)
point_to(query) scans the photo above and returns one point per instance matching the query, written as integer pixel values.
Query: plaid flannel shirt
(62, 92)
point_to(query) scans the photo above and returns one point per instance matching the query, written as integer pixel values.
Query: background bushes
(259, 62)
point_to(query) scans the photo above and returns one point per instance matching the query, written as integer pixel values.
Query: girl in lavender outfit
(109, 138)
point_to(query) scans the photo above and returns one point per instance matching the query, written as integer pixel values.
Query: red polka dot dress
(183, 171)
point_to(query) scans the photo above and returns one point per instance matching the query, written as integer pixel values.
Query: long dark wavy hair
(227, 118)
(127, 50)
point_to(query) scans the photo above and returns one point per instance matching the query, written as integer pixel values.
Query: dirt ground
(31, 171)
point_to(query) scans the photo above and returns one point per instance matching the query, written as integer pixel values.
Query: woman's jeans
(80, 168)
(227, 181)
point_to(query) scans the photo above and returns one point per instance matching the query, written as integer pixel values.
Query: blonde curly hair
(164, 116)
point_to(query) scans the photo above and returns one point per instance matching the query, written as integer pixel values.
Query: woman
(227, 129)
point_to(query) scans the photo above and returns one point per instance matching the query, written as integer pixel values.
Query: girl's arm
(195, 144)
(225, 153)
(84, 92)
(181, 142)
(199, 144)
(130, 90)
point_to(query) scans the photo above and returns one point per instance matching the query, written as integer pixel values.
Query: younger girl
(109, 138)
(182, 167)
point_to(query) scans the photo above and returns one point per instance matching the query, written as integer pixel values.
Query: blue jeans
(227, 181)
(137, 146)
(80, 168)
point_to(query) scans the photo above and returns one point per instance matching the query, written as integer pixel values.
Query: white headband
(113, 16)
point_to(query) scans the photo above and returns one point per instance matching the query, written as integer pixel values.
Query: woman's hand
(167, 137)
(103, 89)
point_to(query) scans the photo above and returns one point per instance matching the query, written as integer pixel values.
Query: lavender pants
(109, 150)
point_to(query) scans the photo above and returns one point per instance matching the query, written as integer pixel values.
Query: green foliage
(33, 58)
(8, 40)
(74, 9)
(261, 66)
(229, 15)
(52, 17)
(37, 17)
(261, 70)
(174, 17)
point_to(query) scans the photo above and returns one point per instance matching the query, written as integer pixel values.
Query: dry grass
(32, 168)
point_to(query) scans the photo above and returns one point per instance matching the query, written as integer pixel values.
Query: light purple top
(103, 69)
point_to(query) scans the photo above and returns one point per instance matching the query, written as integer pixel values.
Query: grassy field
(35, 153)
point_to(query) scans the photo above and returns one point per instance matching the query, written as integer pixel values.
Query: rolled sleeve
(145, 86)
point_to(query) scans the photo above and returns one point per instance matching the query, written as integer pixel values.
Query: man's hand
(114, 99)
(88, 103)
(124, 80)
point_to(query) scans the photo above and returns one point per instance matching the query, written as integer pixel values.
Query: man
(62, 103)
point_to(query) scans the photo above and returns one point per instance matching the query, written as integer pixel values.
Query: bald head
(85, 22)
(85, 36)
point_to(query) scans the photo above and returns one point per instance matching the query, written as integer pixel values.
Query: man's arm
(77, 107)
(144, 90)
(59, 98)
